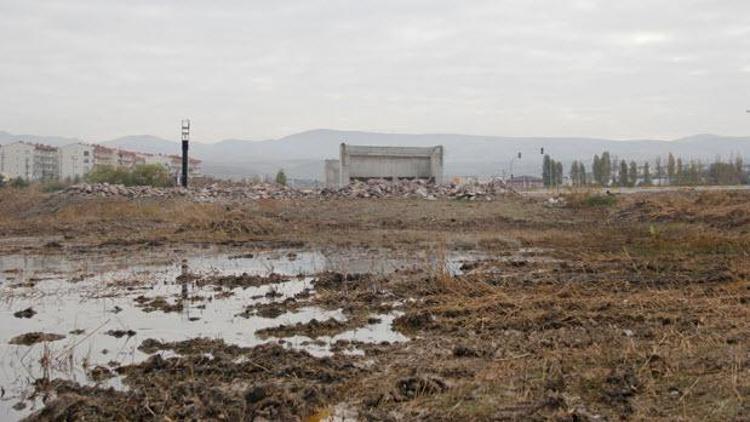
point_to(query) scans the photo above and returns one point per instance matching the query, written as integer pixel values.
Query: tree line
(607, 170)
(552, 172)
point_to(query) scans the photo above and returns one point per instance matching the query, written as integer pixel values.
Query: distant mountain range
(301, 155)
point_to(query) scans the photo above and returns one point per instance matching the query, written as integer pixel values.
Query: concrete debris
(374, 188)
(378, 188)
(213, 193)
(557, 201)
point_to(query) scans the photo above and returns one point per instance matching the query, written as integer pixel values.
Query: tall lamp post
(185, 142)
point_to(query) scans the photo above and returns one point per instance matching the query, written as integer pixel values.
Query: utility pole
(185, 142)
(517, 156)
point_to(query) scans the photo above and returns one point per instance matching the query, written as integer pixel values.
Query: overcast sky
(242, 69)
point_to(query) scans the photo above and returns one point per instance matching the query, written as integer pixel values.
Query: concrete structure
(332, 173)
(76, 161)
(30, 162)
(357, 162)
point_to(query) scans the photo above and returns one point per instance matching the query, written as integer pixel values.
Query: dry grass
(643, 314)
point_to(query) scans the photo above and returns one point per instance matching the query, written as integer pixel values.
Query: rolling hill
(302, 154)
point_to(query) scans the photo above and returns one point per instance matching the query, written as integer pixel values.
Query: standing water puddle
(93, 300)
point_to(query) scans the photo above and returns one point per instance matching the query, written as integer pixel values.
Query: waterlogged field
(78, 318)
(635, 308)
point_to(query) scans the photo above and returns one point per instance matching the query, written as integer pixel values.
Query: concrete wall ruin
(332, 173)
(357, 162)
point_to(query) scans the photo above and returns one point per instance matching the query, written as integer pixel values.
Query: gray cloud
(258, 69)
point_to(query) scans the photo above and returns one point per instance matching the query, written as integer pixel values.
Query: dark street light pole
(185, 142)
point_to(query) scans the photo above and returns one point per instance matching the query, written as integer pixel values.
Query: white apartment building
(76, 161)
(17, 161)
(34, 162)
(174, 163)
(29, 161)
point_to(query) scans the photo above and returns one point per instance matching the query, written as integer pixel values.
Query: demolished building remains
(360, 162)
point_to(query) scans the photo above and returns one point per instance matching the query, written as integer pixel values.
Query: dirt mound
(159, 303)
(334, 280)
(723, 210)
(26, 313)
(267, 382)
(312, 329)
(276, 309)
(234, 223)
(35, 337)
(243, 280)
(410, 388)
(120, 333)
(415, 321)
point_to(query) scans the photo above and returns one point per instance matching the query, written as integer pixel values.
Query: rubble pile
(378, 188)
(211, 193)
(418, 189)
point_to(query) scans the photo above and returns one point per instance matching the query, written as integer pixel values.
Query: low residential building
(160, 159)
(35, 162)
(525, 182)
(104, 156)
(129, 159)
(174, 163)
(76, 161)
(29, 161)
(17, 161)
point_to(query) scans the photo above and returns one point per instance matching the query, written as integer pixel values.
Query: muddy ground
(639, 310)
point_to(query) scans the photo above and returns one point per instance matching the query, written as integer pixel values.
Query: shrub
(589, 200)
(141, 175)
(151, 175)
(600, 200)
(53, 186)
(109, 174)
(19, 183)
(281, 177)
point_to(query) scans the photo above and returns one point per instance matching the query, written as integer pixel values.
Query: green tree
(582, 174)
(633, 174)
(679, 175)
(606, 169)
(558, 173)
(671, 170)
(574, 173)
(596, 168)
(150, 175)
(659, 170)
(738, 165)
(547, 171)
(141, 175)
(647, 174)
(695, 172)
(623, 177)
(109, 174)
(19, 183)
(281, 177)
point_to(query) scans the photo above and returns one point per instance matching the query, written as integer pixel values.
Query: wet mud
(394, 310)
